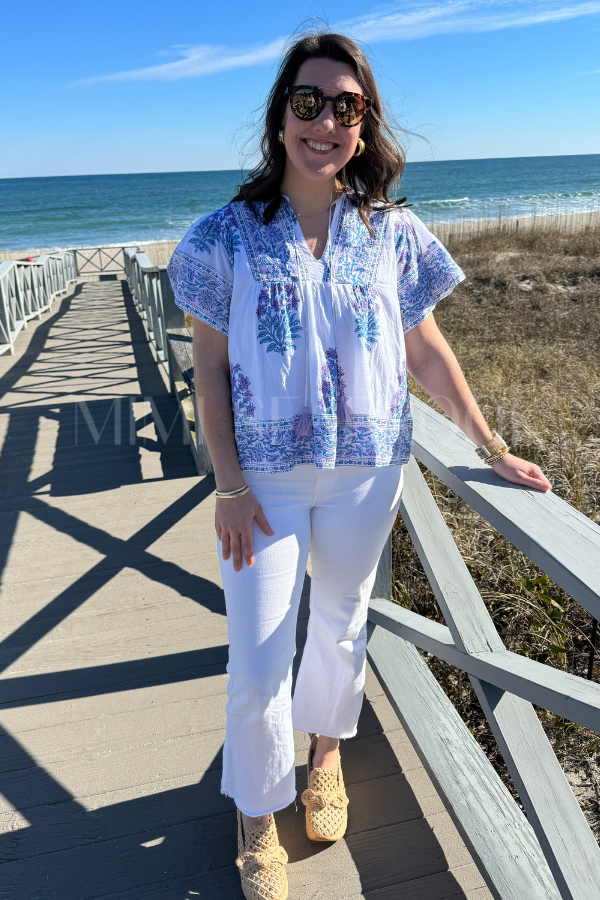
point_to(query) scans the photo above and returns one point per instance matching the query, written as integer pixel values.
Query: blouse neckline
(323, 258)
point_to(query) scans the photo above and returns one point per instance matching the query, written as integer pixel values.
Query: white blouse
(316, 347)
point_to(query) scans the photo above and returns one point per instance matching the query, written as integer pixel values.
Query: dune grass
(525, 326)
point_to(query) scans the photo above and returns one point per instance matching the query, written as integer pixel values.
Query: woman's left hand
(519, 471)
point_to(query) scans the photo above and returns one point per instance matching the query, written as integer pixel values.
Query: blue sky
(155, 86)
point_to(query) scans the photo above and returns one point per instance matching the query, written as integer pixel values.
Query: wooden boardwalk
(113, 648)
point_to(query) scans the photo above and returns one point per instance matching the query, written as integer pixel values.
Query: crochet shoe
(325, 800)
(261, 861)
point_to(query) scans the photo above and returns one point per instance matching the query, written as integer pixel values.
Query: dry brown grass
(525, 326)
(160, 252)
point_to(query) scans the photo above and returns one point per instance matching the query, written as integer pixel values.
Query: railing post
(382, 589)
(174, 317)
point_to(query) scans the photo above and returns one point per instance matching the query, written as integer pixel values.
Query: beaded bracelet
(230, 495)
(492, 459)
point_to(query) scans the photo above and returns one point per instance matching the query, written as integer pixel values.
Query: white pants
(343, 516)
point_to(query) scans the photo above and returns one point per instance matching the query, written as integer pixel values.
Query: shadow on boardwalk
(113, 648)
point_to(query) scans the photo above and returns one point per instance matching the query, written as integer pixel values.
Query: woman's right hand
(233, 521)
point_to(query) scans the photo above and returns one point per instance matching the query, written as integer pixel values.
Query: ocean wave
(449, 200)
(550, 203)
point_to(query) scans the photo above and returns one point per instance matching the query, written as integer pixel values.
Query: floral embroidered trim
(269, 248)
(201, 290)
(367, 315)
(272, 256)
(424, 278)
(356, 253)
(219, 226)
(401, 401)
(333, 386)
(241, 395)
(274, 446)
(278, 322)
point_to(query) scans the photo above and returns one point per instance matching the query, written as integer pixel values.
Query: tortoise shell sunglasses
(307, 102)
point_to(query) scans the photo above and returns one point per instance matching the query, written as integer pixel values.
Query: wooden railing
(551, 852)
(99, 260)
(172, 341)
(27, 289)
(154, 299)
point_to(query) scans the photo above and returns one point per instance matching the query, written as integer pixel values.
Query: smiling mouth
(320, 146)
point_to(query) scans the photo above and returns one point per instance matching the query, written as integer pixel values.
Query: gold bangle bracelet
(230, 495)
(493, 459)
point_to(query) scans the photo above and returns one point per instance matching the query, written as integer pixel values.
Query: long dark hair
(369, 176)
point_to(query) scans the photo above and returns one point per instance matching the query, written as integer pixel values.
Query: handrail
(165, 327)
(27, 289)
(559, 539)
(154, 299)
(553, 852)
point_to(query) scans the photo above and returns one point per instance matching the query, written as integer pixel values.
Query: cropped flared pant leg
(343, 516)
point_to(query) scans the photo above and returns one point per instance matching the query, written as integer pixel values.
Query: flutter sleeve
(425, 270)
(201, 269)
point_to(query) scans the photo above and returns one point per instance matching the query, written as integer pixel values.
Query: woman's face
(318, 149)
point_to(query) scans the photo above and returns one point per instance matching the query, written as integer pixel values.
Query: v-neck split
(332, 224)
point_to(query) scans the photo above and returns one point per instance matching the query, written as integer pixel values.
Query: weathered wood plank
(561, 828)
(460, 601)
(188, 727)
(566, 695)
(101, 707)
(48, 687)
(556, 537)
(129, 865)
(485, 813)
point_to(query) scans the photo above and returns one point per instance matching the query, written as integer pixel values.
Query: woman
(313, 297)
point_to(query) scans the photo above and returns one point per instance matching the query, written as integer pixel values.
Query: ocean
(92, 210)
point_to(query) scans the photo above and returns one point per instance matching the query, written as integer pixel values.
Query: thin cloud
(198, 59)
(383, 24)
(460, 16)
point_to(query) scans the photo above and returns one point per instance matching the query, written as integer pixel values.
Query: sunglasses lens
(349, 109)
(305, 104)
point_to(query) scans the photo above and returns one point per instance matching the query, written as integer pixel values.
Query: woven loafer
(325, 800)
(261, 861)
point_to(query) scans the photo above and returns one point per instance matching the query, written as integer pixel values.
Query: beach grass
(525, 326)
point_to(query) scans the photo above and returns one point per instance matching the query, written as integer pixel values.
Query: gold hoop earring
(281, 141)
(360, 147)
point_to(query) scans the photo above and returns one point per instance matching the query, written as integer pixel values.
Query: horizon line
(206, 171)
